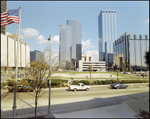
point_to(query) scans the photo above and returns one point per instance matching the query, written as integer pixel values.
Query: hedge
(56, 82)
(62, 83)
(101, 82)
(86, 82)
(75, 82)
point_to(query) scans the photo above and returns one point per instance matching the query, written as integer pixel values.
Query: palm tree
(123, 66)
(90, 68)
(117, 72)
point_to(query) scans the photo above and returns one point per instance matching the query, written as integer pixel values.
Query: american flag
(10, 16)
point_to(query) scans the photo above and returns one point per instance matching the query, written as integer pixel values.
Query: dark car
(118, 86)
(22, 88)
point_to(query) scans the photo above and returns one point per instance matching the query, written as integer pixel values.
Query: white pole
(49, 106)
(15, 89)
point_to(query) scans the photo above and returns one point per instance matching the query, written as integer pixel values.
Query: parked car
(118, 86)
(22, 88)
(80, 86)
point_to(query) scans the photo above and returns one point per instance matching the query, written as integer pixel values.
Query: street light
(49, 114)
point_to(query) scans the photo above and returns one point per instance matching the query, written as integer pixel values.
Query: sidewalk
(115, 111)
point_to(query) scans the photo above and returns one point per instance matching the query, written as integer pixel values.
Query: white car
(80, 86)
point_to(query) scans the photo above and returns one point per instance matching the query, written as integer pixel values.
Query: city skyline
(37, 26)
(70, 46)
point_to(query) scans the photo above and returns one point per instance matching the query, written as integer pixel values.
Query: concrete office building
(76, 43)
(65, 45)
(3, 9)
(107, 31)
(9, 51)
(36, 56)
(87, 57)
(131, 48)
(87, 60)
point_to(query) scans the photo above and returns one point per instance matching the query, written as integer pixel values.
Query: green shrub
(95, 82)
(56, 82)
(115, 81)
(99, 82)
(86, 82)
(134, 81)
(11, 83)
(66, 81)
(44, 86)
(107, 82)
(75, 82)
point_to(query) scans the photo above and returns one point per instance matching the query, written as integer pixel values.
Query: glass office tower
(107, 33)
(76, 46)
(131, 48)
(65, 44)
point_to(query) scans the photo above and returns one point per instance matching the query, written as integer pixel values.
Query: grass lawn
(74, 75)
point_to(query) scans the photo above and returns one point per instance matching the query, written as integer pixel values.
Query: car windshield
(115, 83)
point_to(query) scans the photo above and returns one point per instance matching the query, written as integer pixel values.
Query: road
(63, 100)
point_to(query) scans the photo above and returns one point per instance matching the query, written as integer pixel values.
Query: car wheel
(75, 89)
(28, 90)
(87, 89)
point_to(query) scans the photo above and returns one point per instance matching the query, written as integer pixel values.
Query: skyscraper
(76, 47)
(107, 31)
(3, 9)
(131, 48)
(36, 56)
(65, 44)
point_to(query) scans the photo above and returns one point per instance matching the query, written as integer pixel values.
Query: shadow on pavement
(77, 106)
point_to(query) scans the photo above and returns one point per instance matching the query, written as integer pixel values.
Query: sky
(40, 19)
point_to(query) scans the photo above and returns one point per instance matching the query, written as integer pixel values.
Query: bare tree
(39, 72)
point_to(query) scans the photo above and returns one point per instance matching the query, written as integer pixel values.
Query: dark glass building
(131, 48)
(76, 44)
(65, 45)
(36, 56)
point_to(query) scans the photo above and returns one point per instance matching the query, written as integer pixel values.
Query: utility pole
(49, 114)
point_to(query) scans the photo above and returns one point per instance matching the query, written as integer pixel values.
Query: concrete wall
(9, 51)
(3, 50)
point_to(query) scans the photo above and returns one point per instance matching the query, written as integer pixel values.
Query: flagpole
(14, 106)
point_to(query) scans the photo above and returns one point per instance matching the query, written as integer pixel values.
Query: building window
(89, 58)
(84, 58)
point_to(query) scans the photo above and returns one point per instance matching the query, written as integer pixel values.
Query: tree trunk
(117, 75)
(35, 104)
(90, 74)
